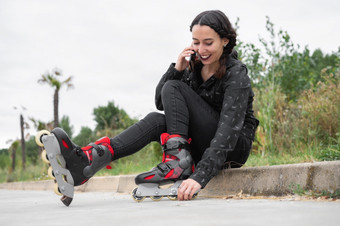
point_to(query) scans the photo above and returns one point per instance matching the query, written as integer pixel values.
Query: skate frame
(153, 189)
(58, 164)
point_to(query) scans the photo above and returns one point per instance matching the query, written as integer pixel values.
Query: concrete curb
(276, 180)
(270, 180)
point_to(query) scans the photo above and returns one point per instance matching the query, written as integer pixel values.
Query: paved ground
(96, 208)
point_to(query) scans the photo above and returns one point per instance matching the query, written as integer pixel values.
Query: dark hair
(220, 23)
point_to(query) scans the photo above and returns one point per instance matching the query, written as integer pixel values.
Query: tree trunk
(56, 107)
(13, 158)
(22, 142)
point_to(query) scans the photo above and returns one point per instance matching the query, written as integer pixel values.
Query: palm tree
(52, 80)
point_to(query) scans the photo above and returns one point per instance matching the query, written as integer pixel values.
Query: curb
(258, 181)
(276, 180)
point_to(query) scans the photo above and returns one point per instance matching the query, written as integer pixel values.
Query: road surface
(95, 208)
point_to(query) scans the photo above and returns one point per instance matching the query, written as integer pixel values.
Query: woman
(208, 120)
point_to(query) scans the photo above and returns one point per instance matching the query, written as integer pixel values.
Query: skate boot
(71, 165)
(176, 166)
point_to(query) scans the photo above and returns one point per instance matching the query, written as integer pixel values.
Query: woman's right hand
(182, 63)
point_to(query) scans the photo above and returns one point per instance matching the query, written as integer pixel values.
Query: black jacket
(232, 96)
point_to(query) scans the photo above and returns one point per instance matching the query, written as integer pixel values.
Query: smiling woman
(209, 47)
(213, 30)
(207, 124)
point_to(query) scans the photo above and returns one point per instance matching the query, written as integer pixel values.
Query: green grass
(274, 159)
(141, 161)
(31, 173)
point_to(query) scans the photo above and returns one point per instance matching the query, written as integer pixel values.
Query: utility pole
(23, 146)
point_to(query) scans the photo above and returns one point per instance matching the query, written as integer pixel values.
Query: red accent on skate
(86, 148)
(167, 158)
(177, 172)
(84, 181)
(89, 155)
(149, 177)
(105, 141)
(165, 137)
(65, 144)
(168, 175)
(108, 167)
(189, 140)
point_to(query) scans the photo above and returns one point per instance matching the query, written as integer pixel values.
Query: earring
(225, 45)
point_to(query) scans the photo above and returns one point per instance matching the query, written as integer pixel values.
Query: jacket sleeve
(170, 74)
(237, 89)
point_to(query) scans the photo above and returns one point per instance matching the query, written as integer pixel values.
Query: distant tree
(4, 157)
(40, 125)
(23, 125)
(111, 117)
(66, 125)
(84, 137)
(52, 80)
(284, 64)
(32, 150)
(13, 149)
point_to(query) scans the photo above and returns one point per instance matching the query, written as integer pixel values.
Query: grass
(141, 161)
(296, 189)
(275, 159)
(31, 173)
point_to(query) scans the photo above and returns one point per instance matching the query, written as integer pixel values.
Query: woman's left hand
(187, 189)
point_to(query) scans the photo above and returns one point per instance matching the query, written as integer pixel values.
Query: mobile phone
(192, 57)
(192, 61)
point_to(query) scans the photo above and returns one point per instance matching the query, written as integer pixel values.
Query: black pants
(186, 114)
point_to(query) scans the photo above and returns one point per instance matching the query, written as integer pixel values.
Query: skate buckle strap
(98, 148)
(185, 146)
(164, 168)
(174, 141)
(165, 137)
(100, 151)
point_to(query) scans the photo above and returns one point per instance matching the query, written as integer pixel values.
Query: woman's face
(208, 44)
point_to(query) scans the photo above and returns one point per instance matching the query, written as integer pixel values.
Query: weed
(297, 189)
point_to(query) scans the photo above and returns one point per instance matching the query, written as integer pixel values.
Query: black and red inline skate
(71, 165)
(176, 166)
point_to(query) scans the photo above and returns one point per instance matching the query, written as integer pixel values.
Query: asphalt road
(95, 208)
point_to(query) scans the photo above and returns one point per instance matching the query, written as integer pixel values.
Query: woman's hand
(187, 189)
(182, 63)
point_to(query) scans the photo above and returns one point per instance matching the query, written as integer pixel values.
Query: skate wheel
(39, 135)
(135, 197)
(44, 156)
(156, 198)
(172, 197)
(56, 189)
(50, 173)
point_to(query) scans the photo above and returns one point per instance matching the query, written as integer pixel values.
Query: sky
(118, 50)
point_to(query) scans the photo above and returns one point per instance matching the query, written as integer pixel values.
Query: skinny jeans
(186, 114)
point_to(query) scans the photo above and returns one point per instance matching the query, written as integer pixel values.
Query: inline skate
(176, 166)
(69, 164)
